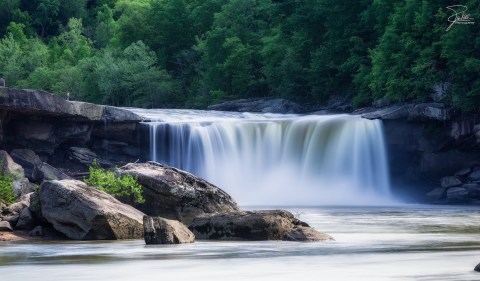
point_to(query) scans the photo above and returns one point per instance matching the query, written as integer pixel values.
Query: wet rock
(474, 176)
(25, 220)
(450, 181)
(84, 213)
(5, 226)
(255, 225)
(259, 105)
(437, 194)
(37, 231)
(162, 231)
(178, 195)
(457, 194)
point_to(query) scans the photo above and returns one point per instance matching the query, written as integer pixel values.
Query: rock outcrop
(461, 188)
(256, 225)
(259, 105)
(162, 231)
(420, 111)
(178, 195)
(82, 212)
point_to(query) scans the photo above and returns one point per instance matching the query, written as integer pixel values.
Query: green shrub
(6, 189)
(125, 186)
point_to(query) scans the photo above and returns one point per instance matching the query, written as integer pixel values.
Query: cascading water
(274, 159)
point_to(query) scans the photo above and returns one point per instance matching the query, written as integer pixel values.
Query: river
(409, 242)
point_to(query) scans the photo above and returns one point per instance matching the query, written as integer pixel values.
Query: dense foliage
(6, 189)
(191, 53)
(123, 187)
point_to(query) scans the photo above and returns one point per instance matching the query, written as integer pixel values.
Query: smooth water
(274, 158)
(372, 243)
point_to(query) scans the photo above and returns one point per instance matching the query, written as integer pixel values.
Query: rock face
(162, 231)
(178, 195)
(82, 212)
(462, 188)
(420, 111)
(256, 225)
(259, 105)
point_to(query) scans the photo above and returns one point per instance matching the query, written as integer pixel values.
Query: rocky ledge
(259, 105)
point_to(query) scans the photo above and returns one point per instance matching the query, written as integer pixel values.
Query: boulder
(473, 190)
(463, 172)
(25, 220)
(82, 155)
(5, 226)
(259, 105)
(437, 194)
(37, 231)
(51, 173)
(29, 162)
(475, 175)
(178, 195)
(477, 268)
(450, 181)
(255, 225)
(457, 194)
(162, 231)
(8, 166)
(84, 213)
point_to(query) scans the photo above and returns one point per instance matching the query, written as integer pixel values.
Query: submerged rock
(255, 225)
(175, 194)
(162, 231)
(84, 213)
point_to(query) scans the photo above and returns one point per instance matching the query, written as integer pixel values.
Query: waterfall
(275, 159)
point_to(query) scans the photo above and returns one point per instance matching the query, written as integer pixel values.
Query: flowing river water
(372, 243)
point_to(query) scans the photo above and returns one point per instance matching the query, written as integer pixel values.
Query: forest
(193, 53)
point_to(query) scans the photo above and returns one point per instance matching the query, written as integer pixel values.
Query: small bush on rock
(125, 186)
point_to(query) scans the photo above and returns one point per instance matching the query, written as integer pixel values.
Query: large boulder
(36, 170)
(178, 195)
(84, 213)
(255, 225)
(259, 105)
(5, 226)
(162, 231)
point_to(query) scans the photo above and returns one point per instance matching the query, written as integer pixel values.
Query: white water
(265, 159)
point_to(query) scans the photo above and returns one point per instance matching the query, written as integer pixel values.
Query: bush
(125, 186)
(6, 189)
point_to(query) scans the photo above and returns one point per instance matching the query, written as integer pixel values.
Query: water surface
(372, 243)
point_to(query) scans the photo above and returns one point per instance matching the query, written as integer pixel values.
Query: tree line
(192, 53)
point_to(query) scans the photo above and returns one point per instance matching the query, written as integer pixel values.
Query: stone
(16, 207)
(476, 130)
(5, 226)
(477, 268)
(8, 166)
(51, 173)
(25, 220)
(463, 172)
(82, 212)
(175, 194)
(12, 218)
(255, 226)
(37, 231)
(437, 194)
(412, 112)
(82, 155)
(35, 102)
(450, 181)
(259, 105)
(474, 176)
(473, 190)
(457, 194)
(162, 231)
(30, 163)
